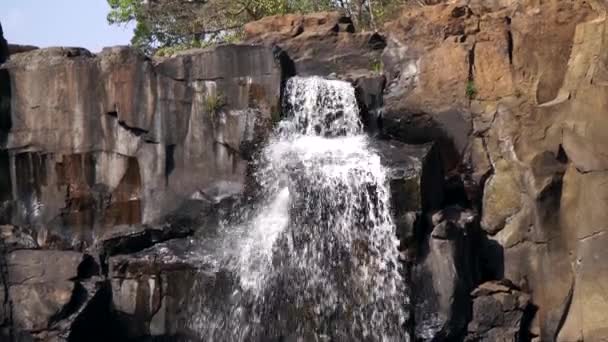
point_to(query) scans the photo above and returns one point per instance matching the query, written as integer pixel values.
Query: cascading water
(317, 257)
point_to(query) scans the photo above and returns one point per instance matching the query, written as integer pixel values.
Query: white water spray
(319, 255)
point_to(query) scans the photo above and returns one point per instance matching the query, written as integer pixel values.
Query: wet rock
(443, 276)
(500, 313)
(416, 182)
(16, 238)
(151, 289)
(370, 92)
(38, 266)
(35, 305)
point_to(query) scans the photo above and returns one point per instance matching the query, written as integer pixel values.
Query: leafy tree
(168, 25)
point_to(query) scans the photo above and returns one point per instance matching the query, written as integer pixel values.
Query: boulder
(49, 290)
(500, 313)
(152, 290)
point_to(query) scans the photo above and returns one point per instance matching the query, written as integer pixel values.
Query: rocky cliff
(109, 162)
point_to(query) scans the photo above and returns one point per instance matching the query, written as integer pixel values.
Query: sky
(76, 23)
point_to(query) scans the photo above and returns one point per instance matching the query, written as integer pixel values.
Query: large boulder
(152, 290)
(49, 290)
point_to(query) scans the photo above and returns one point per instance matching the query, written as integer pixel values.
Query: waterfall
(316, 258)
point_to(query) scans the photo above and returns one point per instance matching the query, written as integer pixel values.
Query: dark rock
(443, 276)
(17, 48)
(152, 289)
(450, 130)
(370, 90)
(416, 181)
(500, 313)
(4, 52)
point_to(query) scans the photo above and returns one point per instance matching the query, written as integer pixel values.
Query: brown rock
(320, 44)
(538, 74)
(34, 305)
(27, 267)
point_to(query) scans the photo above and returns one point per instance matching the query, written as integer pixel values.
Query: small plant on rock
(214, 103)
(471, 90)
(377, 66)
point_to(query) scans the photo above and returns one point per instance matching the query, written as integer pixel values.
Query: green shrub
(377, 66)
(214, 103)
(471, 90)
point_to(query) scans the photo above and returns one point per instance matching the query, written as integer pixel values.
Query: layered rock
(94, 142)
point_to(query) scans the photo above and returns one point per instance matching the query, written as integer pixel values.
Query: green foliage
(214, 103)
(471, 89)
(173, 25)
(377, 66)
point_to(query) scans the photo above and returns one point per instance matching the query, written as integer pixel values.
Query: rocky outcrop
(320, 44)
(507, 89)
(89, 143)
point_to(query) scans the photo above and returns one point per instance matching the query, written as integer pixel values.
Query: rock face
(511, 92)
(320, 44)
(89, 142)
